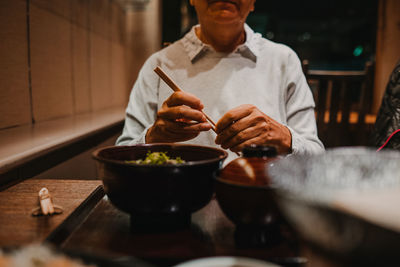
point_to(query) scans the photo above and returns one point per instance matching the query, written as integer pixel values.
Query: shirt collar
(196, 48)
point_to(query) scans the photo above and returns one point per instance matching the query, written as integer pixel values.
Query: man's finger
(233, 116)
(181, 112)
(183, 98)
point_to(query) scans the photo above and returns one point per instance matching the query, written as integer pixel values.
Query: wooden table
(107, 230)
(17, 225)
(91, 224)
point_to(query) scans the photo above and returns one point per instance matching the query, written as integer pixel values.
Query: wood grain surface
(18, 227)
(107, 232)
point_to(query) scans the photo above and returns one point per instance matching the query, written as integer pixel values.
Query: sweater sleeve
(300, 110)
(141, 111)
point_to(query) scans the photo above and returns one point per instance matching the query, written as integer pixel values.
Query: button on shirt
(260, 72)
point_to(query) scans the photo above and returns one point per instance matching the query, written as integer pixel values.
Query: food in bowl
(157, 158)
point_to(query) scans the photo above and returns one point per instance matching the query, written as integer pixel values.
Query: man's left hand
(246, 125)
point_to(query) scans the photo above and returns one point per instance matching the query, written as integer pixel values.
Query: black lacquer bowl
(244, 195)
(343, 203)
(253, 211)
(159, 197)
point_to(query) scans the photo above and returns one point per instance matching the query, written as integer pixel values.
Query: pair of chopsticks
(176, 88)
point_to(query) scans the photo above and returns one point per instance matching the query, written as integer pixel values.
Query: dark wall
(171, 21)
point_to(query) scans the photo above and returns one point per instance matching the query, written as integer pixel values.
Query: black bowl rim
(223, 156)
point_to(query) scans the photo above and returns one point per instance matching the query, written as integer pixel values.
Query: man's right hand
(179, 119)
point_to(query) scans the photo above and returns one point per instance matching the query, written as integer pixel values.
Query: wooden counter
(107, 231)
(26, 151)
(18, 227)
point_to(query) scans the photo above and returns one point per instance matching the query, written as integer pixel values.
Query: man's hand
(179, 119)
(246, 125)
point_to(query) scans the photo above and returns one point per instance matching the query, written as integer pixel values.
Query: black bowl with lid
(245, 197)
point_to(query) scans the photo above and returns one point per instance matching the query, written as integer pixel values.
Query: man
(254, 88)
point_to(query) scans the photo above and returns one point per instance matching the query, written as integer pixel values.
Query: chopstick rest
(46, 206)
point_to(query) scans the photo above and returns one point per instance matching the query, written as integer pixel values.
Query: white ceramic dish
(226, 262)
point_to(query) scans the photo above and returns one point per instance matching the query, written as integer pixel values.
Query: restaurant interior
(66, 72)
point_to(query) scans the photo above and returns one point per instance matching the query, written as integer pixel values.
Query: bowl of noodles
(159, 185)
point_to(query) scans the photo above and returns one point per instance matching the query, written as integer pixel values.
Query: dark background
(338, 34)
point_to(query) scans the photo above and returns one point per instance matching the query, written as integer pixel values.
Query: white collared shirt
(259, 72)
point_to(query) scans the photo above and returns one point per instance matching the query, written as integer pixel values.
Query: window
(338, 34)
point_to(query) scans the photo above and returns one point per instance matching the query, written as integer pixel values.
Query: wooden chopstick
(176, 88)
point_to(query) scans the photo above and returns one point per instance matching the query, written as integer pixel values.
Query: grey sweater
(259, 72)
